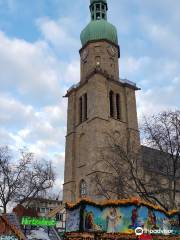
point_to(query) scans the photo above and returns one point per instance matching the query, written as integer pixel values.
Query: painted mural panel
(73, 220)
(123, 219)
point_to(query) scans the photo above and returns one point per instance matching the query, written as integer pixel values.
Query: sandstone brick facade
(102, 53)
(89, 120)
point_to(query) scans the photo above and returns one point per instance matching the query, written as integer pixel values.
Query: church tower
(100, 103)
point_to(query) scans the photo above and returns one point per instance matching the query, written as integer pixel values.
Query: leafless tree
(23, 178)
(125, 170)
(117, 166)
(162, 132)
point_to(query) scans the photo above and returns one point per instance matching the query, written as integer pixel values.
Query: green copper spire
(99, 28)
(98, 9)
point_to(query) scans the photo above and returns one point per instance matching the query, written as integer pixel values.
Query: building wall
(84, 140)
(100, 53)
(42, 206)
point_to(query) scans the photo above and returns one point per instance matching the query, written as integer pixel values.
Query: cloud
(155, 100)
(72, 74)
(159, 80)
(59, 34)
(56, 114)
(130, 66)
(5, 137)
(14, 112)
(58, 163)
(33, 70)
(161, 36)
(39, 129)
(33, 81)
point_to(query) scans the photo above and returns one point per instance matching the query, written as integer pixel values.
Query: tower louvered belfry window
(98, 10)
(83, 188)
(118, 106)
(80, 109)
(111, 103)
(85, 106)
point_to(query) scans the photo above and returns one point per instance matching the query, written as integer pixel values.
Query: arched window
(83, 188)
(111, 103)
(85, 106)
(118, 106)
(80, 109)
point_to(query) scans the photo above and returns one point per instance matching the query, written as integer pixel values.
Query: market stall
(121, 219)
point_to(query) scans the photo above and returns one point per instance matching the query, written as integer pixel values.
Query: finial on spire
(98, 9)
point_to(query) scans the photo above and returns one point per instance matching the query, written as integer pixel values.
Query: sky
(39, 61)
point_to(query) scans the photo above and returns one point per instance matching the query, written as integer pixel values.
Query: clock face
(111, 50)
(84, 54)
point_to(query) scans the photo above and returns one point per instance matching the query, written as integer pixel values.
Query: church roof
(122, 82)
(153, 159)
(10, 225)
(99, 28)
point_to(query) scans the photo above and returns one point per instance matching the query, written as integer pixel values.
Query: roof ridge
(16, 231)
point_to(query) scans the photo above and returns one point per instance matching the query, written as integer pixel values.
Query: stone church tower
(101, 102)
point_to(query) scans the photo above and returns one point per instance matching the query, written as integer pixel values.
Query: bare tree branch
(23, 178)
(155, 177)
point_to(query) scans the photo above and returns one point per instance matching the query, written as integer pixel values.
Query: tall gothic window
(111, 103)
(85, 106)
(83, 188)
(118, 106)
(80, 109)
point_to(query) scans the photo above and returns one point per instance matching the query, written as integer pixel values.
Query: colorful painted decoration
(38, 222)
(123, 218)
(73, 220)
(127, 219)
